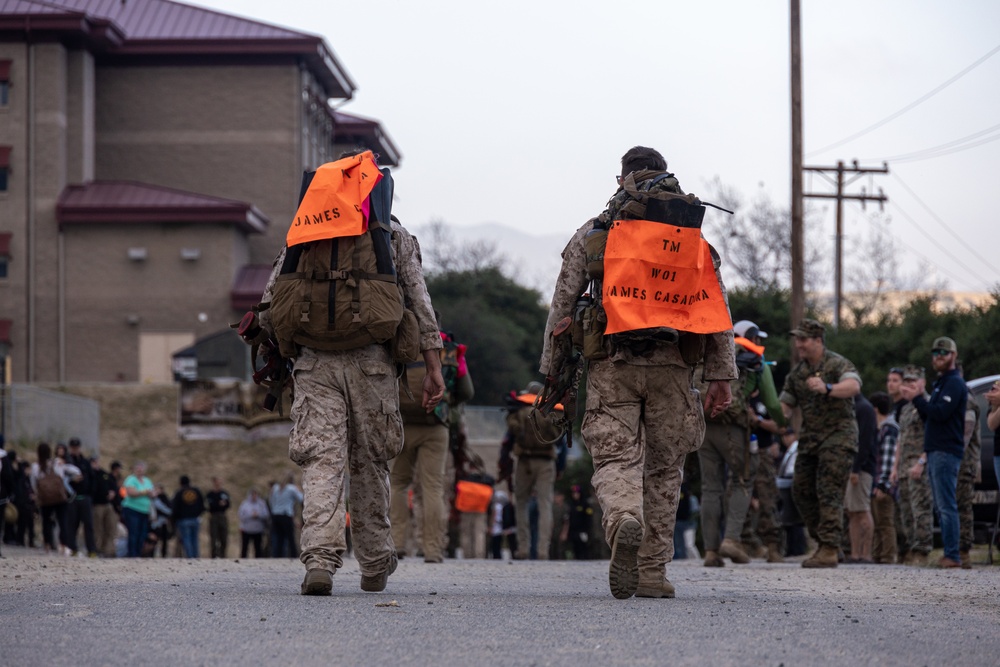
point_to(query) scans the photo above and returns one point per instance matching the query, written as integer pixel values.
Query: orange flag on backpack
(336, 203)
(660, 275)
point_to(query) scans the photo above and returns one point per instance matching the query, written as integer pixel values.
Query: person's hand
(855, 479)
(718, 397)
(816, 384)
(917, 470)
(908, 391)
(893, 475)
(879, 493)
(433, 390)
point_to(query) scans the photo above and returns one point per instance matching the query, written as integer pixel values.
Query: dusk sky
(517, 113)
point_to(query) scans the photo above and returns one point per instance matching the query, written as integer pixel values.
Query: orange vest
(336, 203)
(472, 496)
(660, 275)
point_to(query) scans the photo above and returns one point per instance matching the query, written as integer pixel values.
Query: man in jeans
(944, 442)
(188, 506)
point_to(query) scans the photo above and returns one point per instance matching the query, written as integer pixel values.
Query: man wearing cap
(944, 440)
(915, 505)
(80, 510)
(822, 385)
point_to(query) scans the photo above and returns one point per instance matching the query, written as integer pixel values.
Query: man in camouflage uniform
(969, 473)
(345, 416)
(643, 415)
(915, 498)
(822, 385)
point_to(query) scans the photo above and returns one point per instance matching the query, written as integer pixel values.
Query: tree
(501, 322)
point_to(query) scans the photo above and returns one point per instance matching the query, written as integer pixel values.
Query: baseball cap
(944, 343)
(808, 329)
(748, 329)
(912, 372)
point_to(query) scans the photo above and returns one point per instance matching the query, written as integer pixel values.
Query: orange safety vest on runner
(336, 203)
(660, 275)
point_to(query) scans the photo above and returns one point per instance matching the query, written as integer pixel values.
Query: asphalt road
(62, 611)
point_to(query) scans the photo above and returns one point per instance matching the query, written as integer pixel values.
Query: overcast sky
(517, 113)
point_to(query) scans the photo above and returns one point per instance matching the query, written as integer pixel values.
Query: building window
(4, 253)
(4, 83)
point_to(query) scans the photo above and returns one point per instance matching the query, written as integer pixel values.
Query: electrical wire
(951, 232)
(909, 106)
(911, 249)
(937, 151)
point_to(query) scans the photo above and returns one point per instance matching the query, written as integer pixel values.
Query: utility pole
(857, 172)
(798, 253)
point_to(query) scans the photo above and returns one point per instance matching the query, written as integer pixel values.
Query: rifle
(562, 385)
(276, 373)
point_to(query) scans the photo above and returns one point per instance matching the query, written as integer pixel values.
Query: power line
(938, 151)
(911, 249)
(909, 106)
(937, 218)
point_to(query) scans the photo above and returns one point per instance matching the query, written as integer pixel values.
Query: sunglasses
(940, 353)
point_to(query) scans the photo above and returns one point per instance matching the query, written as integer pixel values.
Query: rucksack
(456, 389)
(343, 293)
(532, 440)
(50, 489)
(658, 199)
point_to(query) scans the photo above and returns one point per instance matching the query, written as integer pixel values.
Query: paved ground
(62, 611)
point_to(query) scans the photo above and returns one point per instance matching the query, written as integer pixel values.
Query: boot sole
(318, 586)
(623, 572)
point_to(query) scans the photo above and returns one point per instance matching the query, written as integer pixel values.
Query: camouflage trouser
(762, 523)
(422, 464)
(916, 505)
(345, 417)
(884, 538)
(821, 476)
(538, 475)
(725, 447)
(964, 496)
(640, 423)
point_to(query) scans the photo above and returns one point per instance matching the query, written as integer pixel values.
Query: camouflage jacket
(824, 418)
(911, 435)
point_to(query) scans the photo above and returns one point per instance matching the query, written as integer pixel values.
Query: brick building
(150, 160)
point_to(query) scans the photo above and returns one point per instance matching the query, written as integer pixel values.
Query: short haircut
(641, 157)
(881, 402)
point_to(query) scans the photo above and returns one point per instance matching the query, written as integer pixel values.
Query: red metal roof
(248, 286)
(163, 27)
(349, 128)
(127, 202)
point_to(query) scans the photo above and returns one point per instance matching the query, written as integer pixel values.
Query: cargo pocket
(382, 430)
(310, 422)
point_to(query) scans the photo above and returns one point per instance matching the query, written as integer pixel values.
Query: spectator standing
(944, 441)
(160, 524)
(858, 494)
(970, 472)
(188, 506)
(884, 490)
(993, 422)
(218, 521)
(80, 510)
(284, 499)
(49, 484)
(27, 509)
(893, 384)
(253, 517)
(823, 385)
(136, 504)
(118, 472)
(915, 498)
(104, 490)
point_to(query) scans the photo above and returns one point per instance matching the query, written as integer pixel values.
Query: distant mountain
(529, 259)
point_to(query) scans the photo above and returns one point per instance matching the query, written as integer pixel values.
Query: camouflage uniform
(345, 417)
(915, 499)
(762, 522)
(828, 442)
(726, 447)
(643, 415)
(967, 474)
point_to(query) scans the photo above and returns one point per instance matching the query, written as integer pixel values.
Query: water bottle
(753, 443)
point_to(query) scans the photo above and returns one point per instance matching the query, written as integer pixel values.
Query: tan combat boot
(966, 560)
(623, 570)
(824, 557)
(774, 554)
(712, 559)
(754, 550)
(317, 582)
(732, 550)
(654, 588)
(918, 559)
